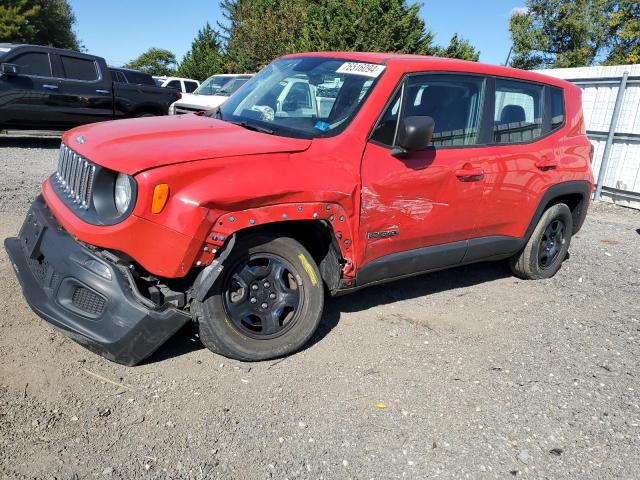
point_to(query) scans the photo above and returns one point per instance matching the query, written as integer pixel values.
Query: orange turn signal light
(160, 197)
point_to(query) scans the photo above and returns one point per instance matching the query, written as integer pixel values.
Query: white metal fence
(614, 132)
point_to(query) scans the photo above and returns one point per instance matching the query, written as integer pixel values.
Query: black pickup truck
(50, 88)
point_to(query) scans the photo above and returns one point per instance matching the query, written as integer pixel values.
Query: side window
(33, 63)
(518, 112)
(453, 101)
(79, 68)
(175, 84)
(190, 86)
(557, 108)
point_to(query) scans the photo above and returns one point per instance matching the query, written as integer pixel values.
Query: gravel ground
(469, 373)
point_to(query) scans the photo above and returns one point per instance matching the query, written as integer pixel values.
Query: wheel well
(317, 237)
(575, 202)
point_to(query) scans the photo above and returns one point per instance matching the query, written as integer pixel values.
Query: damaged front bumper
(87, 297)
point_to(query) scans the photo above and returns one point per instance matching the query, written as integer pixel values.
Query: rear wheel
(547, 248)
(267, 302)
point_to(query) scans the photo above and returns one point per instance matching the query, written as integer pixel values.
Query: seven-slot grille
(75, 175)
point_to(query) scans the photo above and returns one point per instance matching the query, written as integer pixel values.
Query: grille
(89, 301)
(75, 176)
(182, 109)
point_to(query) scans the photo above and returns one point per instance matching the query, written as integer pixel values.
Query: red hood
(130, 146)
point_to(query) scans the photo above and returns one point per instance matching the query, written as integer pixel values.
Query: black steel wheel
(262, 297)
(551, 243)
(546, 249)
(266, 303)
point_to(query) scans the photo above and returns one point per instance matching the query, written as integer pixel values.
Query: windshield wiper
(255, 128)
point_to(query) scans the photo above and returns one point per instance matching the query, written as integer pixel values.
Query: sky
(120, 30)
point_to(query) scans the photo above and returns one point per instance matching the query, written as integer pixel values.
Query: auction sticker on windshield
(372, 70)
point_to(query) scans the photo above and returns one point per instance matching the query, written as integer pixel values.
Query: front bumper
(106, 315)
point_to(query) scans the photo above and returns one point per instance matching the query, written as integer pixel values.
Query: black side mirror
(414, 133)
(9, 69)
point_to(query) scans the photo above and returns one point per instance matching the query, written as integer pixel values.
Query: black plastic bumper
(101, 311)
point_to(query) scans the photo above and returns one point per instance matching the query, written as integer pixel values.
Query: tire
(547, 247)
(267, 302)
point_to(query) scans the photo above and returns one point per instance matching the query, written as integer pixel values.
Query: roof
(408, 63)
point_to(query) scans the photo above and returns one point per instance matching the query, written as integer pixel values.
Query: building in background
(615, 138)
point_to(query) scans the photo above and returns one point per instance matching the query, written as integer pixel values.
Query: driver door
(418, 212)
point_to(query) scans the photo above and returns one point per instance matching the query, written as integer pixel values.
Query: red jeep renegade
(326, 172)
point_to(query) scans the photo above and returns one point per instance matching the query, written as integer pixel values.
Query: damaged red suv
(325, 173)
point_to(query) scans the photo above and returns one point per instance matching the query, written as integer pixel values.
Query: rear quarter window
(557, 108)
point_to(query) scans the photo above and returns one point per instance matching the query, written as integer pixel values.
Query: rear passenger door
(518, 162)
(432, 197)
(86, 88)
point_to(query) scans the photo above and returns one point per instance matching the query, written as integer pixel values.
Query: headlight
(122, 193)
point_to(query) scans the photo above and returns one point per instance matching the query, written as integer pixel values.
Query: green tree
(459, 48)
(257, 31)
(40, 22)
(205, 57)
(155, 61)
(367, 25)
(574, 33)
(624, 33)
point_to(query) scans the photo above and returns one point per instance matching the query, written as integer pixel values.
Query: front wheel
(547, 247)
(267, 302)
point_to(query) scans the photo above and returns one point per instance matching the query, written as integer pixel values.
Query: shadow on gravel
(186, 340)
(409, 288)
(183, 342)
(51, 143)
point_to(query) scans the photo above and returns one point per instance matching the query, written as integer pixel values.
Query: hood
(201, 101)
(131, 146)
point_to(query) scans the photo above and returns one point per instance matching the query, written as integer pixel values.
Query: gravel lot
(469, 373)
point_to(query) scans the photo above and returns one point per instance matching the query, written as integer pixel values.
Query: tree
(459, 48)
(575, 33)
(155, 61)
(205, 57)
(260, 30)
(367, 25)
(624, 33)
(40, 22)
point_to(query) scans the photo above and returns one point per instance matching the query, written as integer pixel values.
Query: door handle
(546, 164)
(50, 87)
(468, 173)
(99, 90)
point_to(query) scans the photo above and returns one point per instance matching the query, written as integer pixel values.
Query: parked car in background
(126, 75)
(241, 218)
(213, 92)
(185, 85)
(50, 88)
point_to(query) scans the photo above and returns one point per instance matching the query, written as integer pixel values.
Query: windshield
(230, 87)
(211, 85)
(303, 97)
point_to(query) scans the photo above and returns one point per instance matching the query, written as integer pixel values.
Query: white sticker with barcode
(372, 70)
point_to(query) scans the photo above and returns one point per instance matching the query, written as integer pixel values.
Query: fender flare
(228, 224)
(573, 187)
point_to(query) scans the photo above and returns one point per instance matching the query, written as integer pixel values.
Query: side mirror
(414, 133)
(9, 69)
